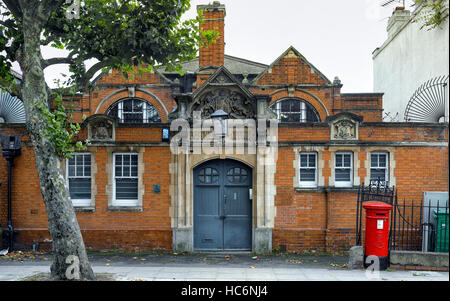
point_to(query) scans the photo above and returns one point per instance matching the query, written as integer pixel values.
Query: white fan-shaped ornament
(428, 103)
(11, 109)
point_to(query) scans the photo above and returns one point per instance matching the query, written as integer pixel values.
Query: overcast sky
(337, 37)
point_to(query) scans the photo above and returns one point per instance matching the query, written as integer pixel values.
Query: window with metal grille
(295, 110)
(343, 170)
(379, 167)
(134, 110)
(126, 179)
(79, 179)
(308, 169)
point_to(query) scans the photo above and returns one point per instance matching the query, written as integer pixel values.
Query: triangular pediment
(222, 77)
(222, 91)
(315, 76)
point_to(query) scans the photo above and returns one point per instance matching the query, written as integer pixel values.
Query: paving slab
(220, 267)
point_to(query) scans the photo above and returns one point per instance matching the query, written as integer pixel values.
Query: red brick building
(132, 192)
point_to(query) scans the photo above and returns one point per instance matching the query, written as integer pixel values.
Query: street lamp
(220, 121)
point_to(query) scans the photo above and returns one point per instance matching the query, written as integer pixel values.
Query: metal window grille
(343, 169)
(79, 179)
(308, 169)
(134, 110)
(295, 110)
(126, 178)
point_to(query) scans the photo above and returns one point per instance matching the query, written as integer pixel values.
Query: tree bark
(70, 258)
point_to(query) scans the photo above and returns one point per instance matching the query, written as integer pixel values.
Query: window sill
(84, 208)
(125, 208)
(326, 189)
(342, 189)
(310, 189)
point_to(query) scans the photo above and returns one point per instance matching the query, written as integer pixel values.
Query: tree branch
(56, 60)
(14, 7)
(50, 5)
(3, 23)
(84, 80)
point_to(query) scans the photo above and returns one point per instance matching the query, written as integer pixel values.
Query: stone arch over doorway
(182, 186)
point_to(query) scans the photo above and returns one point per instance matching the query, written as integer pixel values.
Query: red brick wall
(305, 219)
(316, 219)
(213, 54)
(149, 229)
(289, 70)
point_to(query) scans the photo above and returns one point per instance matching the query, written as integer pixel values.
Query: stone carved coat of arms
(344, 129)
(232, 102)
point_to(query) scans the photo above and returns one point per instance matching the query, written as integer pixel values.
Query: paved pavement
(218, 267)
(221, 273)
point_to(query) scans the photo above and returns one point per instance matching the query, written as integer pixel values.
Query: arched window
(134, 110)
(295, 110)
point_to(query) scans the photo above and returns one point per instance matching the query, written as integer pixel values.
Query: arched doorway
(222, 206)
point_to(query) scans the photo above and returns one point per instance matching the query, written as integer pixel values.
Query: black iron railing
(413, 225)
(419, 227)
(378, 191)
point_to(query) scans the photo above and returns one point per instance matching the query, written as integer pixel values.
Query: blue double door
(222, 206)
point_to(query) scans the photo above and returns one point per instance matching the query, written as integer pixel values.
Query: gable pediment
(222, 91)
(291, 67)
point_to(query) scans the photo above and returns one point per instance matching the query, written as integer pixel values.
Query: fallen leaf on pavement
(294, 261)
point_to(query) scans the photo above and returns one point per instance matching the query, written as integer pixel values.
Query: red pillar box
(377, 233)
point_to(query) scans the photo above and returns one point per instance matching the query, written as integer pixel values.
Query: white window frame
(302, 112)
(343, 183)
(386, 168)
(79, 202)
(308, 184)
(131, 202)
(144, 109)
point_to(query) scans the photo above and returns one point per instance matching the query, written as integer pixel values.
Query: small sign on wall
(165, 135)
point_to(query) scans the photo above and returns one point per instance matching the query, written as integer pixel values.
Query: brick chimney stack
(213, 19)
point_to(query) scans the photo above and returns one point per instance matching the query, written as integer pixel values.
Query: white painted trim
(386, 168)
(115, 202)
(79, 202)
(346, 183)
(308, 184)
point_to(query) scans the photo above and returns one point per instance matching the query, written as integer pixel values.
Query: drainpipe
(11, 147)
(10, 161)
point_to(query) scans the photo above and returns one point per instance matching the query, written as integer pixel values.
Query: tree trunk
(70, 258)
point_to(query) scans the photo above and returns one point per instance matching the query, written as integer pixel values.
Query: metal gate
(414, 225)
(378, 191)
(222, 206)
